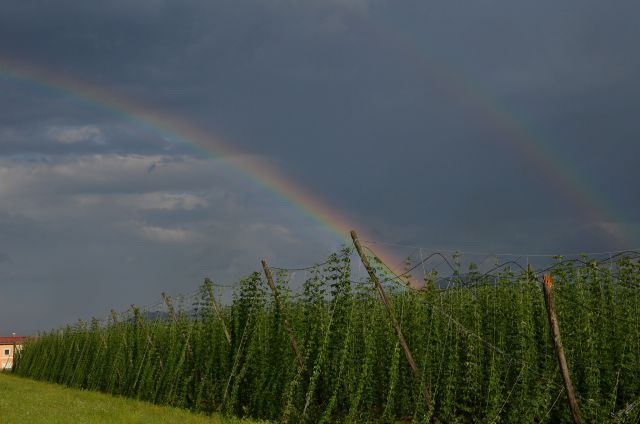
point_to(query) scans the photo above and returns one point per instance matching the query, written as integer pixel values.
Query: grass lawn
(27, 401)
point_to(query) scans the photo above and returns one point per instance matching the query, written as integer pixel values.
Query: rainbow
(269, 178)
(173, 127)
(514, 134)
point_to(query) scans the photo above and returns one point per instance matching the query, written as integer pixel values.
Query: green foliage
(25, 401)
(483, 349)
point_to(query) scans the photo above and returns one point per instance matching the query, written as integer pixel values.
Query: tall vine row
(483, 349)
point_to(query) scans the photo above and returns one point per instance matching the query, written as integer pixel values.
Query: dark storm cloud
(129, 239)
(4, 258)
(394, 113)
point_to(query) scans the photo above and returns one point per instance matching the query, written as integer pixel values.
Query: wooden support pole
(216, 308)
(274, 289)
(167, 301)
(547, 287)
(394, 321)
(141, 324)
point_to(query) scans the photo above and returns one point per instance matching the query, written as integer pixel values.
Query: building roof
(12, 339)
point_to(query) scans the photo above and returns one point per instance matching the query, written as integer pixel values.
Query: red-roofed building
(7, 347)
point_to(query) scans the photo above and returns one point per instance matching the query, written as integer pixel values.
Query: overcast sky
(414, 119)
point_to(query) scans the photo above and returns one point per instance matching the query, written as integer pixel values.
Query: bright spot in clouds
(78, 134)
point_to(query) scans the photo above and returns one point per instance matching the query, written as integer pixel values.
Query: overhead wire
(464, 252)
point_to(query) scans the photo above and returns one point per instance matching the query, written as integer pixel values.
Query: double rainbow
(512, 132)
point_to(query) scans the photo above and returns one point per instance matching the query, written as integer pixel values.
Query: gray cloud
(408, 118)
(137, 238)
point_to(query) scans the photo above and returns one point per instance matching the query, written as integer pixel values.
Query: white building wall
(6, 357)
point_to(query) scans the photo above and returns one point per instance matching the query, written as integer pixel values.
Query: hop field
(481, 344)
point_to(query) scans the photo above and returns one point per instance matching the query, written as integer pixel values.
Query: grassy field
(27, 401)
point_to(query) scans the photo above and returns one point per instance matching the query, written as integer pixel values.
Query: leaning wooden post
(167, 301)
(394, 321)
(114, 316)
(547, 287)
(208, 284)
(274, 289)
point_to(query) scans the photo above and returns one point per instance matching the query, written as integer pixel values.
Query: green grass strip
(31, 402)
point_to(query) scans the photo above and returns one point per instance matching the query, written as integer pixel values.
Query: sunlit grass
(30, 402)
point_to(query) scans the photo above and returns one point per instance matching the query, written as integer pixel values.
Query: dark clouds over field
(386, 110)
